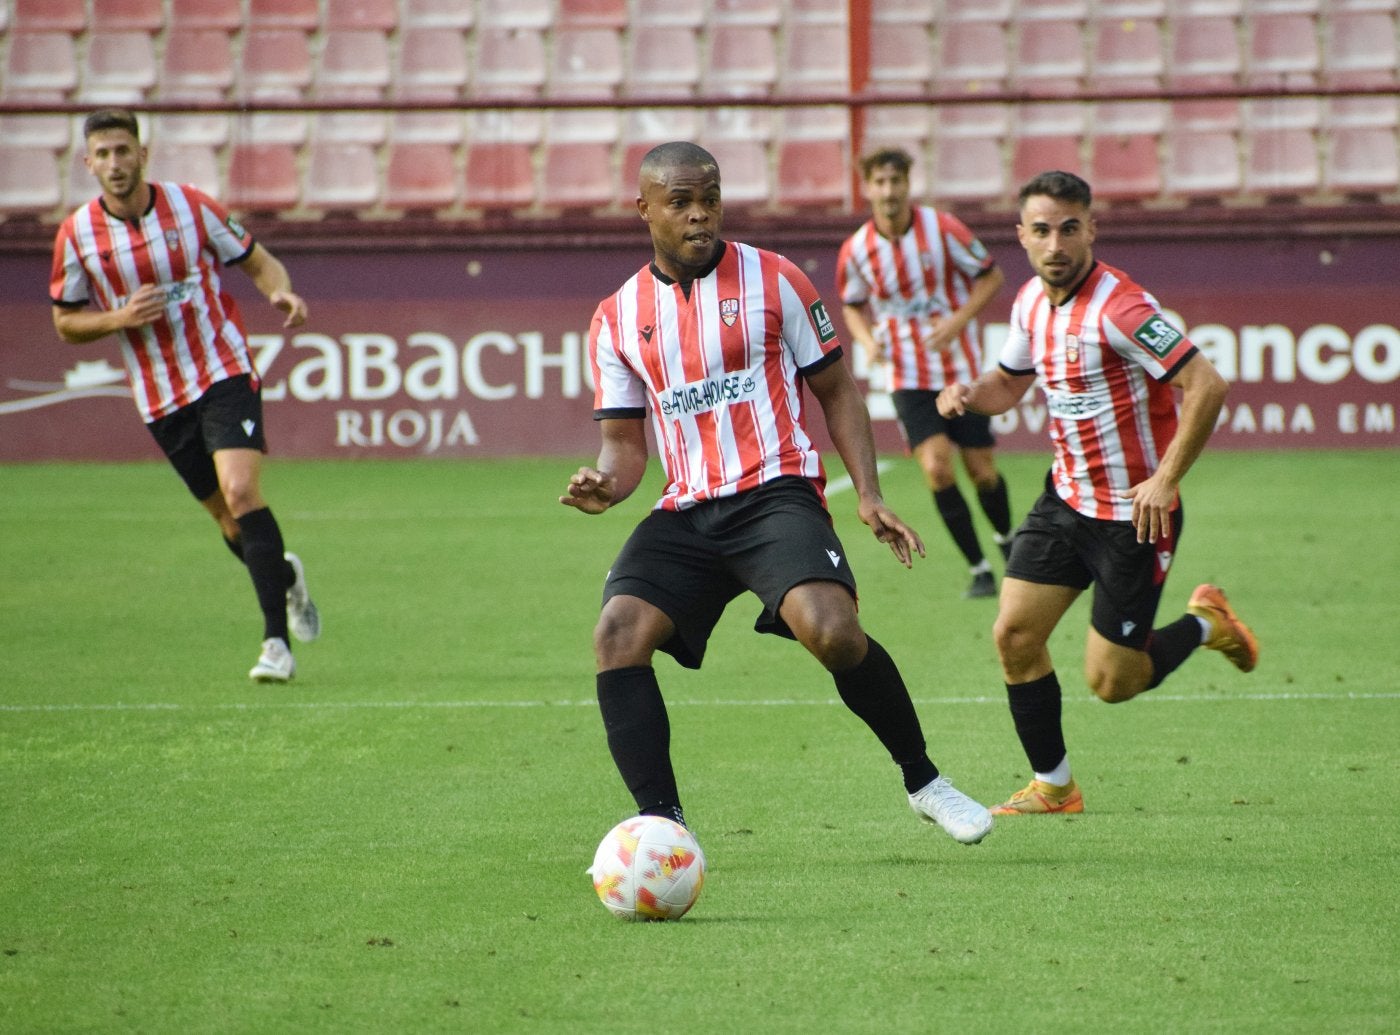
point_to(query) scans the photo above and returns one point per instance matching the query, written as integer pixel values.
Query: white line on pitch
(844, 483)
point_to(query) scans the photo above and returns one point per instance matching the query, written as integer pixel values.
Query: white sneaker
(942, 803)
(302, 616)
(275, 663)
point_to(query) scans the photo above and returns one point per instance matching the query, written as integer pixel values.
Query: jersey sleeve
(227, 237)
(1016, 357)
(68, 280)
(618, 391)
(1139, 332)
(851, 287)
(967, 252)
(808, 331)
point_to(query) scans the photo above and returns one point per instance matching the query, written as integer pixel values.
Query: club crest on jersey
(729, 310)
(172, 239)
(1072, 348)
(825, 329)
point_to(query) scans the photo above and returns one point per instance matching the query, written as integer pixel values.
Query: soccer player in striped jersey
(147, 256)
(912, 282)
(1111, 366)
(717, 340)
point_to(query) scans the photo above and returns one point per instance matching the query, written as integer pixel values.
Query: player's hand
(952, 401)
(903, 541)
(291, 304)
(1153, 501)
(590, 491)
(145, 305)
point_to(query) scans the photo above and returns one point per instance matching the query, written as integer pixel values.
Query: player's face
(887, 190)
(118, 161)
(1058, 237)
(683, 210)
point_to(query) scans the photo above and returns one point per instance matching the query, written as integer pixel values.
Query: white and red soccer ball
(648, 868)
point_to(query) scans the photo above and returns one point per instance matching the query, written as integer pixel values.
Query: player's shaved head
(677, 154)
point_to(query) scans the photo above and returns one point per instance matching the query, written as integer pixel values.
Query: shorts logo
(825, 329)
(1128, 628)
(248, 427)
(729, 310)
(1164, 559)
(1157, 336)
(835, 558)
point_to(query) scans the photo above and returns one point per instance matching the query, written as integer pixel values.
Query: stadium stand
(436, 14)
(120, 68)
(499, 175)
(421, 177)
(262, 177)
(1125, 168)
(27, 181)
(340, 176)
(972, 57)
(663, 60)
(128, 15)
(206, 14)
(593, 14)
(185, 163)
(49, 16)
(382, 15)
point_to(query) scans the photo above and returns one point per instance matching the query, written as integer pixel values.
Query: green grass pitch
(396, 841)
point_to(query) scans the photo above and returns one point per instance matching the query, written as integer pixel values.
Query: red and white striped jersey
(1103, 357)
(177, 244)
(719, 367)
(911, 282)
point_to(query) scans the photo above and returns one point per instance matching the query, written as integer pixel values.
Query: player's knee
(839, 646)
(621, 642)
(1113, 687)
(1015, 643)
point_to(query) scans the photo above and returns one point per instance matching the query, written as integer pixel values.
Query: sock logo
(835, 558)
(248, 427)
(1164, 558)
(1128, 627)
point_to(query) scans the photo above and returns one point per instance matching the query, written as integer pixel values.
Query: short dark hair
(895, 156)
(111, 118)
(1062, 186)
(676, 154)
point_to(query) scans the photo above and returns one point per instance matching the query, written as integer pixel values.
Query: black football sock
(263, 553)
(875, 692)
(956, 515)
(1171, 645)
(639, 737)
(1035, 710)
(996, 504)
(235, 546)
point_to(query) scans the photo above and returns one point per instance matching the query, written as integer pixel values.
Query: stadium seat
(1049, 58)
(1031, 156)
(1361, 49)
(436, 14)
(815, 122)
(1127, 54)
(275, 65)
(578, 176)
(1125, 167)
(972, 57)
(743, 61)
(815, 60)
(509, 62)
(506, 126)
(1362, 111)
(1283, 50)
(1201, 164)
(432, 64)
(1130, 8)
(39, 66)
(896, 125)
(206, 14)
(340, 177)
(353, 65)
(746, 12)
(186, 163)
(1282, 113)
(585, 62)
(28, 183)
(271, 127)
(515, 14)
(1283, 161)
(976, 10)
(1051, 10)
(663, 61)
(1206, 115)
(968, 169)
(120, 68)
(500, 175)
(1205, 53)
(593, 14)
(53, 132)
(813, 174)
(78, 185)
(583, 126)
(1363, 159)
(904, 12)
(667, 12)
(284, 14)
(752, 125)
(127, 15)
(361, 14)
(197, 65)
(1283, 6)
(262, 177)
(206, 129)
(1059, 118)
(901, 57)
(816, 12)
(49, 16)
(1208, 8)
(651, 126)
(744, 171)
(426, 127)
(972, 120)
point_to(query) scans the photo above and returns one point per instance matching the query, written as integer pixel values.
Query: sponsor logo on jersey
(710, 393)
(646, 333)
(1157, 336)
(825, 329)
(729, 310)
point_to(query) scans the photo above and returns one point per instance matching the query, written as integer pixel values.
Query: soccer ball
(648, 868)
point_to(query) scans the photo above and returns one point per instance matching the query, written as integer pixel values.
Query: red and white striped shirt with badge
(1103, 357)
(909, 283)
(720, 369)
(178, 244)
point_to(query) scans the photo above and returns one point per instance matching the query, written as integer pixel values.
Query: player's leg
(992, 495)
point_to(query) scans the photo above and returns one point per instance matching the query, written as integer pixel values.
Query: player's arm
(1203, 393)
(78, 326)
(622, 461)
(860, 331)
(996, 391)
(271, 278)
(848, 423)
(984, 289)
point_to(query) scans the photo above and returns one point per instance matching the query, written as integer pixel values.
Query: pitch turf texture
(396, 841)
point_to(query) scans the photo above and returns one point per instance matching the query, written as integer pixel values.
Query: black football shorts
(227, 416)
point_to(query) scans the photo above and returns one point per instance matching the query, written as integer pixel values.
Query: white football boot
(942, 803)
(302, 617)
(275, 663)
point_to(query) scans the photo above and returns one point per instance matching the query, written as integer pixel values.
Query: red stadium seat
(747, 124)
(1207, 115)
(1049, 58)
(976, 10)
(1125, 167)
(1205, 53)
(585, 62)
(186, 163)
(816, 12)
(206, 14)
(1130, 8)
(1283, 161)
(578, 176)
(815, 60)
(746, 12)
(517, 126)
(1051, 10)
(743, 61)
(127, 15)
(262, 177)
(208, 130)
(744, 172)
(813, 174)
(1034, 155)
(896, 125)
(197, 65)
(1283, 50)
(515, 14)
(353, 68)
(583, 126)
(1127, 54)
(340, 177)
(663, 61)
(275, 65)
(509, 62)
(1283, 113)
(421, 176)
(284, 14)
(968, 169)
(52, 132)
(432, 64)
(972, 57)
(905, 12)
(28, 179)
(971, 120)
(1061, 118)
(361, 14)
(41, 66)
(589, 14)
(901, 57)
(271, 127)
(500, 175)
(1363, 159)
(1202, 164)
(120, 68)
(437, 14)
(1361, 49)
(426, 127)
(1129, 116)
(667, 12)
(1362, 111)
(49, 16)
